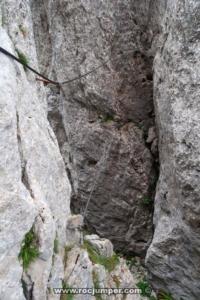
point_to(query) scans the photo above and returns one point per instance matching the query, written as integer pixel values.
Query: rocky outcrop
(91, 263)
(102, 121)
(173, 257)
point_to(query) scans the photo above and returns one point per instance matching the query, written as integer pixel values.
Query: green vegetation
(131, 261)
(66, 296)
(29, 251)
(96, 285)
(23, 30)
(86, 231)
(164, 296)
(107, 118)
(56, 246)
(147, 201)
(23, 59)
(145, 288)
(140, 125)
(108, 262)
(67, 250)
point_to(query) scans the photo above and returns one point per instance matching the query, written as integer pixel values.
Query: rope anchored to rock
(101, 165)
(45, 79)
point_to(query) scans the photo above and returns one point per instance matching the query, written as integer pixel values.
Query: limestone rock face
(81, 271)
(97, 137)
(34, 187)
(104, 246)
(102, 121)
(173, 257)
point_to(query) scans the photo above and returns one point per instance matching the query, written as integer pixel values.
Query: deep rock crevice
(105, 130)
(90, 113)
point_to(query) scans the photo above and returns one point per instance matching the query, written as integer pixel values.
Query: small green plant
(96, 285)
(109, 263)
(67, 250)
(140, 125)
(56, 246)
(131, 261)
(23, 30)
(29, 251)
(23, 59)
(107, 118)
(164, 296)
(68, 296)
(85, 232)
(146, 201)
(145, 288)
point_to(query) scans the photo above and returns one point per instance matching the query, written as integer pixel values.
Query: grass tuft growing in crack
(145, 288)
(29, 251)
(109, 263)
(56, 246)
(107, 118)
(147, 201)
(130, 261)
(68, 296)
(67, 250)
(164, 296)
(23, 59)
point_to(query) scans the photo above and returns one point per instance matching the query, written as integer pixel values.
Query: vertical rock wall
(34, 188)
(173, 257)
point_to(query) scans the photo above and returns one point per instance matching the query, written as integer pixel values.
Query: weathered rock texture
(35, 191)
(101, 121)
(173, 257)
(82, 271)
(104, 125)
(34, 186)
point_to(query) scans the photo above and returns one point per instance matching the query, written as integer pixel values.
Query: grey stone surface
(34, 187)
(104, 126)
(173, 257)
(74, 230)
(103, 246)
(35, 190)
(81, 272)
(100, 121)
(17, 209)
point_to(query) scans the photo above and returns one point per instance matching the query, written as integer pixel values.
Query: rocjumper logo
(92, 291)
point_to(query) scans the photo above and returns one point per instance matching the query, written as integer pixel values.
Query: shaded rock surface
(101, 121)
(173, 257)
